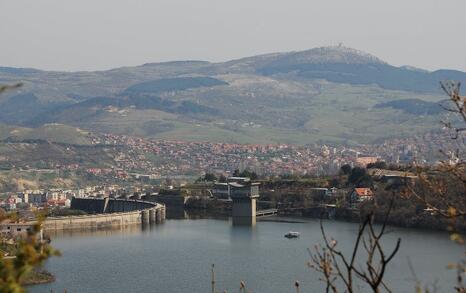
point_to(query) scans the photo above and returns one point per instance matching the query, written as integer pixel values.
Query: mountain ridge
(338, 48)
(321, 94)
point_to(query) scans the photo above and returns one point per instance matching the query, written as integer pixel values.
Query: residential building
(361, 194)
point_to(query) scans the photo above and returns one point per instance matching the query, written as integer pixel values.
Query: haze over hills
(328, 94)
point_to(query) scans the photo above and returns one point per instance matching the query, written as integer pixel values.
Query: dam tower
(244, 195)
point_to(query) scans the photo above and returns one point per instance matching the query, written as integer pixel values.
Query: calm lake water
(177, 257)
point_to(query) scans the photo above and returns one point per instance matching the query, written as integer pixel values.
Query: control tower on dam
(244, 196)
(108, 212)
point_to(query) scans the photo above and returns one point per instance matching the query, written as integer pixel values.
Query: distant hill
(20, 108)
(345, 65)
(93, 107)
(413, 106)
(54, 133)
(173, 84)
(329, 94)
(22, 71)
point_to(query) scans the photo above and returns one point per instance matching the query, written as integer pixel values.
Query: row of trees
(356, 176)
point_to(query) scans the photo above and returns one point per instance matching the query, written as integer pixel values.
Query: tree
(378, 165)
(249, 174)
(245, 173)
(210, 177)
(435, 184)
(222, 179)
(335, 267)
(346, 169)
(360, 178)
(30, 251)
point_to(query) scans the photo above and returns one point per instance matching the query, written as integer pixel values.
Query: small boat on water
(292, 234)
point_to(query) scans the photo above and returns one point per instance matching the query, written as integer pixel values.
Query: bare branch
(327, 261)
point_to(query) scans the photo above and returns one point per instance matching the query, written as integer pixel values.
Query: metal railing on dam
(106, 212)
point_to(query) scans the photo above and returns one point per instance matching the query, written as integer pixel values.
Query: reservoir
(177, 257)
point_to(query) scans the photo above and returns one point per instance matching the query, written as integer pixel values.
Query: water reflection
(244, 236)
(109, 231)
(177, 213)
(242, 232)
(133, 229)
(178, 255)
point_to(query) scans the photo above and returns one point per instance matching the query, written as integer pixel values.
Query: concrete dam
(107, 212)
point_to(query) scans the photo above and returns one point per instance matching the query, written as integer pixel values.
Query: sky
(72, 35)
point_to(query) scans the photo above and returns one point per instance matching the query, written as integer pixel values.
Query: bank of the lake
(38, 276)
(176, 257)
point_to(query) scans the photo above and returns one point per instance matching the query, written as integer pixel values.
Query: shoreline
(298, 218)
(37, 277)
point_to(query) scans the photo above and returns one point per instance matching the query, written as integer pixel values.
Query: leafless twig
(335, 266)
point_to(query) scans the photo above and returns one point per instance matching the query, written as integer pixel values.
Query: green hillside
(173, 84)
(329, 94)
(56, 133)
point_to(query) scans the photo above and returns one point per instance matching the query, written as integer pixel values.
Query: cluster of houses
(225, 190)
(55, 197)
(354, 196)
(37, 198)
(220, 190)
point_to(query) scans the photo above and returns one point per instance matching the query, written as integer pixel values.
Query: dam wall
(108, 213)
(168, 200)
(109, 205)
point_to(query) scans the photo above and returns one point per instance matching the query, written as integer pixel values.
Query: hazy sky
(102, 34)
